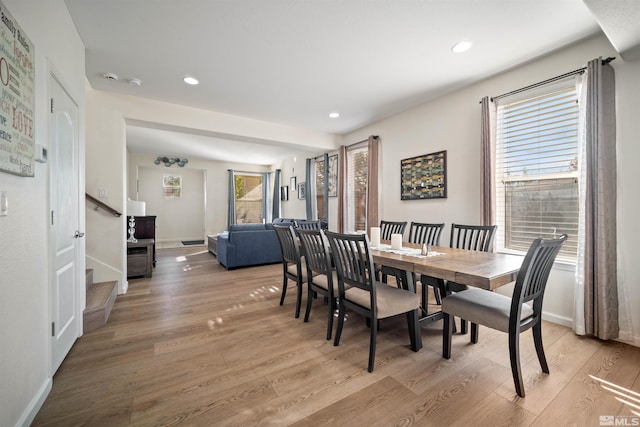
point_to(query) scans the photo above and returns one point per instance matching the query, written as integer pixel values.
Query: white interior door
(63, 166)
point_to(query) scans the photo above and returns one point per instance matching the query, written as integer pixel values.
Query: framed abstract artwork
(302, 191)
(424, 177)
(284, 192)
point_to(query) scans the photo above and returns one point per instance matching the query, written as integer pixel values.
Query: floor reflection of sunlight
(261, 290)
(183, 258)
(212, 323)
(190, 267)
(621, 394)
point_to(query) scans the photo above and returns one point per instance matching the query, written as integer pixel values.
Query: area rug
(193, 242)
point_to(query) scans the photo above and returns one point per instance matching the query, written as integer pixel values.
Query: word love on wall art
(424, 177)
(17, 97)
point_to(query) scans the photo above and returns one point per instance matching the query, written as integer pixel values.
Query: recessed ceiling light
(334, 115)
(461, 47)
(134, 82)
(191, 80)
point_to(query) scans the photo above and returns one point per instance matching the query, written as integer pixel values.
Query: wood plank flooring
(201, 346)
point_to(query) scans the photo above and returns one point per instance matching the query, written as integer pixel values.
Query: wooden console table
(140, 258)
(212, 244)
(145, 229)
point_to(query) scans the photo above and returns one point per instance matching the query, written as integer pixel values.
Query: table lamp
(134, 208)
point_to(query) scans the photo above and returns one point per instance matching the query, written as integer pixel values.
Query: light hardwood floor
(198, 345)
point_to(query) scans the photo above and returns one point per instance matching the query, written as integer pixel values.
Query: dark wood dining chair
(321, 276)
(471, 237)
(293, 267)
(421, 233)
(511, 315)
(387, 228)
(307, 225)
(359, 291)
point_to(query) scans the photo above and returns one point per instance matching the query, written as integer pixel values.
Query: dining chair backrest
(288, 244)
(534, 272)
(387, 228)
(317, 256)
(353, 260)
(420, 232)
(307, 225)
(473, 237)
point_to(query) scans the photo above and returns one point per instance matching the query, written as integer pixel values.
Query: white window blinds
(357, 178)
(537, 169)
(318, 193)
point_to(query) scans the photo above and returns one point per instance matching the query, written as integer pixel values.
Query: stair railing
(101, 205)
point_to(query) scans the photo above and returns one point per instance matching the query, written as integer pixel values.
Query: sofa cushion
(246, 227)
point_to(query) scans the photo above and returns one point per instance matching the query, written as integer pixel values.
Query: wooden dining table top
(486, 270)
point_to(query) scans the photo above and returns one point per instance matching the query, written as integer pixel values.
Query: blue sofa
(249, 244)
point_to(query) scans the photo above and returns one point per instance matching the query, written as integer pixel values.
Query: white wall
(296, 165)
(217, 179)
(105, 164)
(106, 160)
(176, 218)
(24, 268)
(452, 123)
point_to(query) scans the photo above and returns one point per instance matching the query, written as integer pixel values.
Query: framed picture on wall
(302, 191)
(284, 192)
(424, 177)
(172, 186)
(292, 183)
(332, 169)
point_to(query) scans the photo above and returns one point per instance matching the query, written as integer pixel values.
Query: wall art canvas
(17, 100)
(424, 177)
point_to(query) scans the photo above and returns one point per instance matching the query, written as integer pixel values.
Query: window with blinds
(537, 169)
(357, 178)
(320, 190)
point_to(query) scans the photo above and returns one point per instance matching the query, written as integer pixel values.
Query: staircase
(100, 299)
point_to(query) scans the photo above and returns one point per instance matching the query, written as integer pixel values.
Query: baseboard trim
(36, 403)
(568, 322)
(559, 320)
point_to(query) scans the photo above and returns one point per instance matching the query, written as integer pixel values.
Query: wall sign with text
(17, 97)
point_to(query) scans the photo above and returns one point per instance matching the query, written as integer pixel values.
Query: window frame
(263, 201)
(352, 224)
(501, 182)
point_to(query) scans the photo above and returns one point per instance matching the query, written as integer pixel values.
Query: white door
(63, 182)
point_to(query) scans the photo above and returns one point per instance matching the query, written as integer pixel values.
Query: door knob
(78, 234)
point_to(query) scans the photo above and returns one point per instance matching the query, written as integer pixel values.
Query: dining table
(485, 270)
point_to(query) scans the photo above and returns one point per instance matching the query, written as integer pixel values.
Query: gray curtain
(231, 212)
(308, 197)
(372, 182)
(487, 162)
(342, 192)
(276, 194)
(266, 212)
(599, 256)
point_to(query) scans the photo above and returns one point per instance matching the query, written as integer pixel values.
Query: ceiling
(293, 62)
